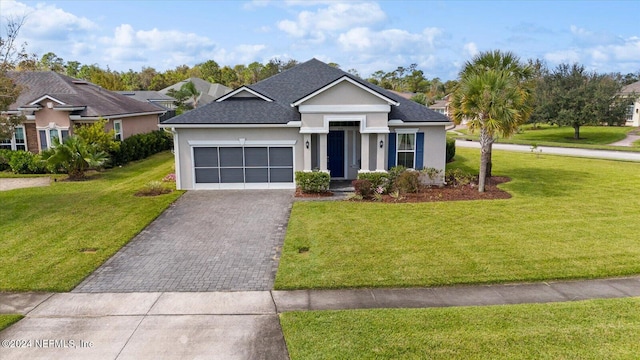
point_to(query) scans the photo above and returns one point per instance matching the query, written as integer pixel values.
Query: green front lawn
(596, 329)
(591, 137)
(8, 320)
(53, 237)
(568, 218)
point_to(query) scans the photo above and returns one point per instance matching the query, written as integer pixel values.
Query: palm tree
(494, 95)
(190, 90)
(74, 156)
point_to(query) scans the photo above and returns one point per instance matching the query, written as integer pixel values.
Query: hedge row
(141, 146)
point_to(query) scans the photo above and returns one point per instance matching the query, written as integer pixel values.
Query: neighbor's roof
(286, 88)
(152, 97)
(75, 93)
(208, 91)
(632, 88)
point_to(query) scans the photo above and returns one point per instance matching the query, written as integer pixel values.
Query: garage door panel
(259, 175)
(256, 157)
(231, 157)
(207, 176)
(205, 157)
(280, 157)
(281, 175)
(233, 175)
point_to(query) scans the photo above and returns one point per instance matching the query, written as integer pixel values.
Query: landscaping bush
(408, 182)
(363, 188)
(313, 181)
(25, 162)
(141, 146)
(458, 177)
(451, 150)
(5, 156)
(379, 180)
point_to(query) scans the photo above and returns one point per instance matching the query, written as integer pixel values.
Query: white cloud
(563, 56)
(169, 47)
(471, 49)
(390, 40)
(336, 17)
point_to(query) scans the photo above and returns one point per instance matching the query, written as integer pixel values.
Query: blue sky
(439, 36)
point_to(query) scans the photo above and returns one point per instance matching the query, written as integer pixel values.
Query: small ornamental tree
(95, 134)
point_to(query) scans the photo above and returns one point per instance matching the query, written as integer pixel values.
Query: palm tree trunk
(485, 157)
(489, 161)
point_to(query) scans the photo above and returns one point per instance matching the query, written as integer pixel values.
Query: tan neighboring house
(312, 116)
(633, 113)
(53, 103)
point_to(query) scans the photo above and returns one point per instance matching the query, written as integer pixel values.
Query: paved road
(206, 241)
(597, 154)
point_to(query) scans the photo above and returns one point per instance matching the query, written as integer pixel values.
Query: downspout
(176, 153)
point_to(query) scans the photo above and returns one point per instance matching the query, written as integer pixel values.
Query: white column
(322, 144)
(307, 151)
(380, 152)
(364, 152)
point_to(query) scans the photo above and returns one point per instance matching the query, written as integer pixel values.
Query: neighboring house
(164, 102)
(54, 103)
(208, 91)
(312, 116)
(441, 106)
(633, 113)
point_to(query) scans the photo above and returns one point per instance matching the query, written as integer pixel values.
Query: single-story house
(208, 91)
(164, 102)
(312, 116)
(53, 103)
(633, 113)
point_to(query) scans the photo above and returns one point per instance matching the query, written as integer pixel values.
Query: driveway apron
(205, 241)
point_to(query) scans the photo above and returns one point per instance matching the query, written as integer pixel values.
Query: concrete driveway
(206, 241)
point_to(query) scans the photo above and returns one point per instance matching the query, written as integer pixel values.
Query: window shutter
(419, 151)
(391, 142)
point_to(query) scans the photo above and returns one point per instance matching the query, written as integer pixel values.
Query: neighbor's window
(17, 141)
(406, 150)
(117, 128)
(630, 113)
(47, 135)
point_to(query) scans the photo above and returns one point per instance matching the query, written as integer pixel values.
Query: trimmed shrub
(363, 188)
(378, 180)
(5, 156)
(451, 150)
(458, 177)
(313, 181)
(408, 182)
(141, 146)
(25, 162)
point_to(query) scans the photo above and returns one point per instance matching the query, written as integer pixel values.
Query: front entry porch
(344, 151)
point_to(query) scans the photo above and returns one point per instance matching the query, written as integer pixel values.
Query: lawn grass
(595, 329)
(8, 320)
(591, 137)
(54, 236)
(568, 218)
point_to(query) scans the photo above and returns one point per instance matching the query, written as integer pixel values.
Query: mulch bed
(435, 193)
(455, 193)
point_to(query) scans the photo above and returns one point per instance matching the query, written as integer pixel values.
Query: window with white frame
(48, 135)
(17, 142)
(406, 150)
(630, 113)
(117, 128)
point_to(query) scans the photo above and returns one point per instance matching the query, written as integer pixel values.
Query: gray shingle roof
(287, 87)
(96, 100)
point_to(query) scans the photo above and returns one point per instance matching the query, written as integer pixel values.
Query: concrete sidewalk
(547, 150)
(234, 325)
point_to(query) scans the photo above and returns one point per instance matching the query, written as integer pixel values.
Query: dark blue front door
(335, 153)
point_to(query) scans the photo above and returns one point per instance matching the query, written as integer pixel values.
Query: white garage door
(243, 167)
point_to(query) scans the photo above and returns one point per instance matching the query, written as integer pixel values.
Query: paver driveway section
(205, 241)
